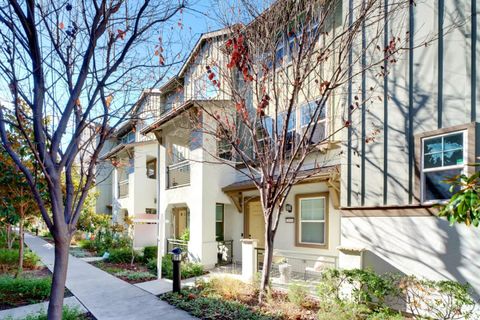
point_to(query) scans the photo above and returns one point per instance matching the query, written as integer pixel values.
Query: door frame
(246, 220)
(176, 218)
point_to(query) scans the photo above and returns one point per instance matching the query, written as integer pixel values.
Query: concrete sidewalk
(104, 295)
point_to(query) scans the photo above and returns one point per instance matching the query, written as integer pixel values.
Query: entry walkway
(104, 295)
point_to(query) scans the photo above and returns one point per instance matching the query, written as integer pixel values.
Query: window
(205, 88)
(443, 157)
(290, 127)
(307, 111)
(311, 220)
(179, 153)
(152, 169)
(128, 138)
(224, 149)
(150, 211)
(219, 222)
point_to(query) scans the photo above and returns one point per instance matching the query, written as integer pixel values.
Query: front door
(180, 221)
(255, 227)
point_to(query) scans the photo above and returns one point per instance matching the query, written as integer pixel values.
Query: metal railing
(178, 175)
(302, 267)
(123, 189)
(176, 243)
(225, 252)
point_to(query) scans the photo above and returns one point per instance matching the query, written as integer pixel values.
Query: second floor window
(224, 149)
(128, 138)
(307, 112)
(443, 157)
(291, 126)
(178, 153)
(152, 169)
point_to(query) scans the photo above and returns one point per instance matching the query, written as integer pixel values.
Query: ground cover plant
(369, 298)
(132, 273)
(67, 314)
(16, 292)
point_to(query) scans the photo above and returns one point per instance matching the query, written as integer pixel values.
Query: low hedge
(123, 255)
(10, 258)
(16, 290)
(150, 253)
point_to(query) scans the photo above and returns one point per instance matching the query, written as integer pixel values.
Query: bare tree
(292, 61)
(76, 66)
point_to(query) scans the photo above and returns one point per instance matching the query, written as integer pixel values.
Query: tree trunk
(9, 237)
(20, 248)
(267, 263)
(55, 305)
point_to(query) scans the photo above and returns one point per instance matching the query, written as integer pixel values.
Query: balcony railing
(123, 189)
(178, 175)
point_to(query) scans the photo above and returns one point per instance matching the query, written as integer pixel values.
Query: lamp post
(176, 260)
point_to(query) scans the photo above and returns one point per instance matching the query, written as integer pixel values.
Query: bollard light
(176, 260)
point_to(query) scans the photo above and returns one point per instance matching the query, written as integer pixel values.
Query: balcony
(178, 175)
(123, 189)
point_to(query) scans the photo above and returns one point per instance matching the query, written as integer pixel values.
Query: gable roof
(203, 38)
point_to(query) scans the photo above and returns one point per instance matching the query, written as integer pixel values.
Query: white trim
(441, 168)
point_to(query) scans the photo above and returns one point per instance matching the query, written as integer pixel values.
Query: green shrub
(150, 253)
(187, 269)
(30, 260)
(86, 244)
(152, 265)
(122, 255)
(21, 289)
(8, 257)
(67, 314)
(190, 269)
(167, 266)
(297, 294)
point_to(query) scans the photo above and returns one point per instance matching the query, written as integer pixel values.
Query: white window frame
(442, 168)
(324, 120)
(324, 221)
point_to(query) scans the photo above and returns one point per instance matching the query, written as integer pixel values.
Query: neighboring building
(428, 122)
(134, 174)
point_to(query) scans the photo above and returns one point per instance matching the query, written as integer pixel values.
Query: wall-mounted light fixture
(288, 207)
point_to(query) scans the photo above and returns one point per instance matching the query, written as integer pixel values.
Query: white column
(350, 258)
(249, 263)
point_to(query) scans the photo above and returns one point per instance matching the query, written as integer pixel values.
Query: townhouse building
(375, 200)
(133, 172)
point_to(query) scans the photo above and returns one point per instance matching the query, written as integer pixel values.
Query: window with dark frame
(224, 149)
(152, 169)
(219, 221)
(443, 157)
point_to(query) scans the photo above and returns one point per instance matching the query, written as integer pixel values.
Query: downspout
(160, 217)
